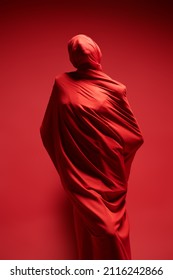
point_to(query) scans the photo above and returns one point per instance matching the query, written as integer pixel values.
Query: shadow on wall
(44, 236)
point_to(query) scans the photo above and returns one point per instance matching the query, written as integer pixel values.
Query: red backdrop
(136, 42)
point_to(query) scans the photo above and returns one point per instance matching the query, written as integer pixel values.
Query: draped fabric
(84, 52)
(91, 135)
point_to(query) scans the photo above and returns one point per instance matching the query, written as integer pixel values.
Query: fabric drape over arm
(49, 127)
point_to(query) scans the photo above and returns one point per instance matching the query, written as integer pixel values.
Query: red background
(137, 45)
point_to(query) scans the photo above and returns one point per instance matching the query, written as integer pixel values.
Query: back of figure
(91, 135)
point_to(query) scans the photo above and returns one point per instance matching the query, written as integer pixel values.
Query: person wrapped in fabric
(91, 136)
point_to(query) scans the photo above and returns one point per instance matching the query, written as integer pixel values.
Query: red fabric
(84, 52)
(91, 136)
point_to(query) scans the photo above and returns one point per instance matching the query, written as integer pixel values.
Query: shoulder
(65, 78)
(60, 77)
(120, 87)
(60, 81)
(116, 85)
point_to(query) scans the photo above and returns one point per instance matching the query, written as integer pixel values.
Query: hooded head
(84, 53)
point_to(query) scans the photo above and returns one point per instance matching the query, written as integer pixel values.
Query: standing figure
(91, 136)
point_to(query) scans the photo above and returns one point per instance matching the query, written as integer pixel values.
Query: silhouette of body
(91, 135)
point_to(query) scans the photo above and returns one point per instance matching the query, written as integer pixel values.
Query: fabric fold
(92, 135)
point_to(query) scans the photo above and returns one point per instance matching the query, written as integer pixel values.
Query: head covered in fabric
(84, 53)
